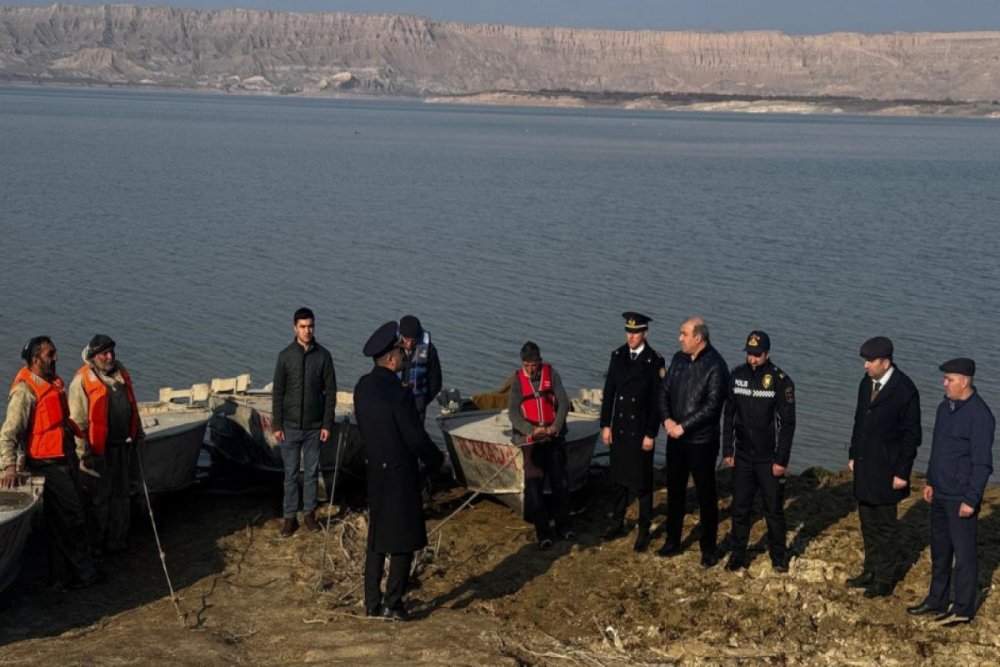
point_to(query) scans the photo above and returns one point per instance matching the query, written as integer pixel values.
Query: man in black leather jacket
(690, 403)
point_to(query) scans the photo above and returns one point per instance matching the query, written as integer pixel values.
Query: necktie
(634, 355)
(876, 388)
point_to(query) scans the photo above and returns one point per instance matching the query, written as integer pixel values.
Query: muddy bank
(486, 595)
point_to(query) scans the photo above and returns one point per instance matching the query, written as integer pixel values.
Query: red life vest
(50, 416)
(538, 406)
(97, 407)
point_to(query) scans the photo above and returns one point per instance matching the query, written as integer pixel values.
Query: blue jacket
(962, 450)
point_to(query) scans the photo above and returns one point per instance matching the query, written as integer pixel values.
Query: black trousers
(624, 496)
(698, 462)
(395, 587)
(106, 498)
(67, 546)
(550, 458)
(880, 532)
(954, 560)
(748, 478)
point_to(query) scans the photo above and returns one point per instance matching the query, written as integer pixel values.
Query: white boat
(240, 429)
(484, 459)
(174, 437)
(17, 506)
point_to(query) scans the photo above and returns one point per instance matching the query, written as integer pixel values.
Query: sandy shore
(487, 596)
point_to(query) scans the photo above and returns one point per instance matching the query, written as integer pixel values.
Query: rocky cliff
(408, 55)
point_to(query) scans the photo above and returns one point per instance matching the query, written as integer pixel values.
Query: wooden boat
(17, 506)
(240, 429)
(484, 459)
(174, 436)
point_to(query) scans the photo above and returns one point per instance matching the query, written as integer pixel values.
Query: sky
(792, 16)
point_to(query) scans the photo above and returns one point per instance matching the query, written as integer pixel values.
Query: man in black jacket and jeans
(690, 403)
(304, 396)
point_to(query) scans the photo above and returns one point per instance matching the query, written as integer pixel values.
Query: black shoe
(863, 580)
(615, 532)
(780, 566)
(669, 549)
(709, 560)
(924, 608)
(371, 613)
(398, 614)
(878, 590)
(737, 561)
(642, 540)
(288, 528)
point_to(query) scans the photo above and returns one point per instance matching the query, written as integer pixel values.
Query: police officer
(960, 466)
(757, 429)
(629, 425)
(394, 440)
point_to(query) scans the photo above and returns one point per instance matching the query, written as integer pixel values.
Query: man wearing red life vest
(538, 407)
(102, 402)
(38, 424)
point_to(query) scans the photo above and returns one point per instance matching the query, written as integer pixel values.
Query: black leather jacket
(693, 394)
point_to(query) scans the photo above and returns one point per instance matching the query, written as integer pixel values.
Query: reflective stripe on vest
(417, 373)
(98, 405)
(538, 406)
(50, 417)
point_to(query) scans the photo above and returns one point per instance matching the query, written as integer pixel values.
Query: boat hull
(483, 459)
(17, 506)
(169, 457)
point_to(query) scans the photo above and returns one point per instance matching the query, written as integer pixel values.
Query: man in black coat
(883, 446)
(394, 440)
(690, 403)
(629, 425)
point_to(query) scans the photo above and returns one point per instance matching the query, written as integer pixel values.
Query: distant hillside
(406, 55)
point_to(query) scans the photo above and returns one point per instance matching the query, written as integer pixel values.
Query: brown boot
(311, 524)
(288, 528)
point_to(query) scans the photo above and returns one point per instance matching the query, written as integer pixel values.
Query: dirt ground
(487, 596)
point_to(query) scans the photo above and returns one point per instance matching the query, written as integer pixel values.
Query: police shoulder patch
(789, 395)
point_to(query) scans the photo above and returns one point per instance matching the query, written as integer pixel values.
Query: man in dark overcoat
(394, 440)
(629, 425)
(884, 444)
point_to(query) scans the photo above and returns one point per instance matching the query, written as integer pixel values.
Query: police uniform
(628, 408)
(758, 426)
(394, 441)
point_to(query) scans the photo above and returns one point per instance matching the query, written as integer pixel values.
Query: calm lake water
(190, 227)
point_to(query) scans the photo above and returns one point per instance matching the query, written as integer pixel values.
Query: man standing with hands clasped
(883, 446)
(961, 464)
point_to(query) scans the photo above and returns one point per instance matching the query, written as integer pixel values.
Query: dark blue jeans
(300, 448)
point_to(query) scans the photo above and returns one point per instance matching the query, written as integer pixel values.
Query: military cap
(99, 343)
(383, 340)
(961, 365)
(635, 322)
(409, 326)
(878, 347)
(757, 342)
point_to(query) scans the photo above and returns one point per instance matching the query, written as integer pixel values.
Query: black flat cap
(99, 343)
(757, 342)
(635, 322)
(878, 347)
(961, 365)
(410, 327)
(383, 340)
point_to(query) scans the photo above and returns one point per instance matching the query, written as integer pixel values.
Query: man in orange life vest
(538, 407)
(102, 402)
(38, 422)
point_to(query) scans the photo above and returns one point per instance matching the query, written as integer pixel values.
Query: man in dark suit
(394, 440)
(883, 445)
(960, 466)
(629, 425)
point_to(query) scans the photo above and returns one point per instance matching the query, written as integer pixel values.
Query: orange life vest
(51, 416)
(97, 407)
(538, 406)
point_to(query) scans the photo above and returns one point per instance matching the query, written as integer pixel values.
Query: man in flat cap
(304, 396)
(690, 403)
(884, 444)
(39, 425)
(421, 367)
(102, 402)
(961, 464)
(757, 429)
(395, 442)
(537, 409)
(629, 425)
